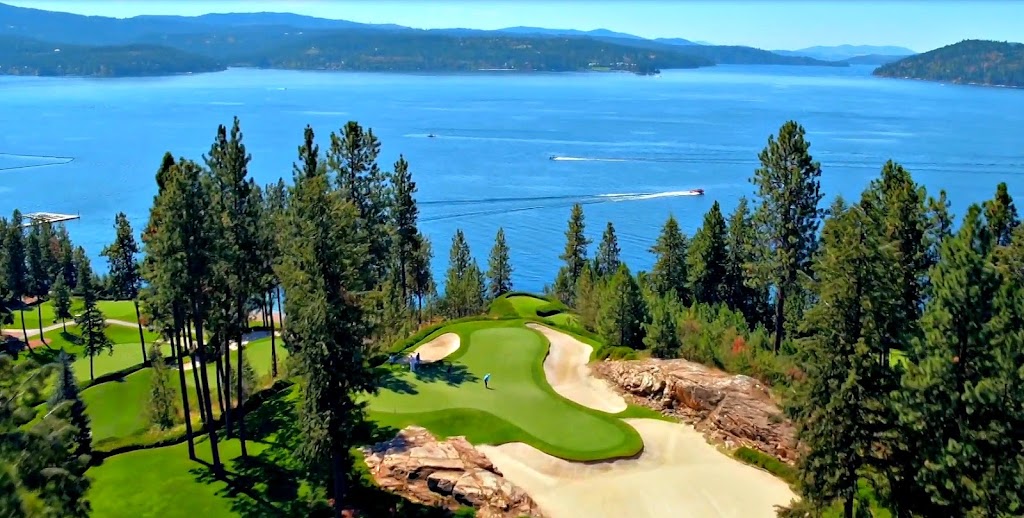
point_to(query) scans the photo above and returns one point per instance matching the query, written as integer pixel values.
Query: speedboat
(431, 135)
(699, 192)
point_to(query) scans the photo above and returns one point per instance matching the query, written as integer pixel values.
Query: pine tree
(575, 256)
(707, 259)
(606, 261)
(669, 275)
(125, 275)
(90, 321)
(422, 277)
(274, 203)
(744, 293)
(624, 312)
(323, 270)
(1001, 215)
(17, 269)
(841, 400)
(499, 269)
(65, 257)
(940, 225)
(404, 215)
(65, 392)
(788, 183)
(463, 288)
(952, 402)
(61, 295)
(661, 333)
(163, 410)
(38, 282)
(588, 294)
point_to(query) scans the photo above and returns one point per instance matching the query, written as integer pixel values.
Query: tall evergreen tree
(499, 268)
(422, 277)
(670, 275)
(65, 392)
(463, 287)
(404, 215)
(61, 296)
(588, 297)
(606, 260)
(322, 273)
(624, 312)
(707, 260)
(744, 292)
(65, 257)
(841, 401)
(274, 203)
(90, 321)
(17, 267)
(661, 335)
(162, 408)
(788, 185)
(951, 405)
(38, 282)
(125, 275)
(575, 256)
(1001, 215)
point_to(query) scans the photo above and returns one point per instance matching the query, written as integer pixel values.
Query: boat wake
(650, 196)
(519, 204)
(586, 159)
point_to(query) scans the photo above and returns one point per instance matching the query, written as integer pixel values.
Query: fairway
(519, 406)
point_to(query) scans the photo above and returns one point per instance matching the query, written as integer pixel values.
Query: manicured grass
(520, 406)
(525, 305)
(112, 309)
(118, 408)
(125, 353)
(162, 482)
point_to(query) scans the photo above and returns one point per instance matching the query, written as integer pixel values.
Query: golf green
(519, 406)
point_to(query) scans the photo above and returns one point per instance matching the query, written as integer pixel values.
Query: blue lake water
(628, 145)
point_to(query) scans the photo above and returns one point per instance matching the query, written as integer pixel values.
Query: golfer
(487, 378)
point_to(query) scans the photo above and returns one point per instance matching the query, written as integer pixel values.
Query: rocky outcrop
(733, 409)
(450, 473)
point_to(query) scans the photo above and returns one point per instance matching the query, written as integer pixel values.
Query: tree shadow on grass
(454, 374)
(388, 378)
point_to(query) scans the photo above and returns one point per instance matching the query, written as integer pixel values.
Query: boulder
(450, 473)
(732, 409)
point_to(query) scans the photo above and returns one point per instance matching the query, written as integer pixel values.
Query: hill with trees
(22, 56)
(980, 62)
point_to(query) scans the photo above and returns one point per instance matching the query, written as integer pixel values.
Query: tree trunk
(273, 340)
(195, 377)
(218, 365)
(780, 315)
(212, 428)
(848, 506)
(241, 414)
(91, 376)
(280, 312)
(338, 473)
(64, 324)
(142, 337)
(226, 372)
(263, 306)
(24, 331)
(176, 348)
(39, 312)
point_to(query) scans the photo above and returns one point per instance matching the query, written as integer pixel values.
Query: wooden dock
(38, 218)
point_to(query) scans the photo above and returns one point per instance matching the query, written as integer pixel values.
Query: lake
(627, 146)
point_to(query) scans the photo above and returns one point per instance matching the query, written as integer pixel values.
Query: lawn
(519, 407)
(126, 351)
(118, 408)
(112, 309)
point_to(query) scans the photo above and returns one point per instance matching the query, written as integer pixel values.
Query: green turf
(118, 408)
(520, 407)
(162, 482)
(525, 305)
(112, 309)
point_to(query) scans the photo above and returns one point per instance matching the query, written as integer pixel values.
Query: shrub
(768, 463)
(501, 307)
(618, 352)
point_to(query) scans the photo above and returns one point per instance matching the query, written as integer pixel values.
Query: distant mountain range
(979, 62)
(286, 40)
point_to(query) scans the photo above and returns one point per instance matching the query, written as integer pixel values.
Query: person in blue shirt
(487, 378)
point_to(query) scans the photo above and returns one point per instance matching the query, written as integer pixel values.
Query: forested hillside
(21, 56)
(968, 62)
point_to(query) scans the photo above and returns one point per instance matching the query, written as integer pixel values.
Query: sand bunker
(678, 474)
(438, 348)
(567, 372)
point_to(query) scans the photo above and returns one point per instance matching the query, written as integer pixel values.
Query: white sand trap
(567, 372)
(438, 348)
(678, 474)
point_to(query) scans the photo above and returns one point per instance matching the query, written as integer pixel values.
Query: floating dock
(38, 218)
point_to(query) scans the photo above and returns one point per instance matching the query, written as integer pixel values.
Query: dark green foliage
(744, 293)
(661, 333)
(323, 269)
(90, 320)
(499, 268)
(61, 296)
(29, 57)
(670, 274)
(15, 265)
(40, 474)
(953, 406)
(38, 282)
(788, 185)
(125, 273)
(707, 259)
(464, 283)
(969, 62)
(66, 394)
(65, 257)
(767, 463)
(588, 299)
(1001, 215)
(623, 312)
(422, 279)
(404, 215)
(606, 260)
(574, 256)
(163, 411)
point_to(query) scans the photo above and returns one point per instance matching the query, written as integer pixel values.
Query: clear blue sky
(919, 25)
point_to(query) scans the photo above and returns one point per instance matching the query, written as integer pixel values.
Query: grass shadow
(387, 378)
(454, 374)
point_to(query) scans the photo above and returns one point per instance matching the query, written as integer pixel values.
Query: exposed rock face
(734, 409)
(449, 473)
